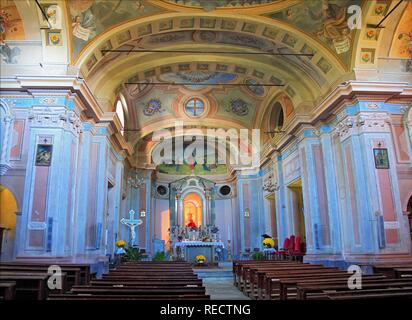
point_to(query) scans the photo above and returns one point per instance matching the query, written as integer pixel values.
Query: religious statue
(191, 223)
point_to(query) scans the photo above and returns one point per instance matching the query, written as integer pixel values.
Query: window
(120, 113)
(276, 119)
(195, 107)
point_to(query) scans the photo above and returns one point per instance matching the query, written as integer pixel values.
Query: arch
(277, 118)
(193, 209)
(8, 210)
(6, 127)
(200, 193)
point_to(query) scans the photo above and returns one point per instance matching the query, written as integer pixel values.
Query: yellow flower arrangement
(120, 243)
(200, 259)
(268, 243)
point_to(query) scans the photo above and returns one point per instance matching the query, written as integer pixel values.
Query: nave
(255, 279)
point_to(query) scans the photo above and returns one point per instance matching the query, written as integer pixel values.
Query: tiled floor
(219, 283)
(222, 289)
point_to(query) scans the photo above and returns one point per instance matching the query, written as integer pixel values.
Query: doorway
(192, 212)
(8, 209)
(296, 200)
(110, 235)
(272, 217)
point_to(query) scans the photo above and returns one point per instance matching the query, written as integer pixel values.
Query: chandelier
(135, 179)
(269, 185)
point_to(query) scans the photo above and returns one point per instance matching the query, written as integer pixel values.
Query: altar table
(191, 249)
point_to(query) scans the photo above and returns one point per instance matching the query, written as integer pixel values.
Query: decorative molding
(55, 117)
(363, 122)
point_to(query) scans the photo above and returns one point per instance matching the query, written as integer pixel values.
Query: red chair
(300, 250)
(291, 248)
(282, 251)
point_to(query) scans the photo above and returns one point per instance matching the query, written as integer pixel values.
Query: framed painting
(381, 158)
(44, 155)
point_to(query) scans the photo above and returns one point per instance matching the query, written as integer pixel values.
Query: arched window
(120, 113)
(276, 119)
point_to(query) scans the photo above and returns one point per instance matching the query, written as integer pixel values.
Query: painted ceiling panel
(92, 17)
(325, 20)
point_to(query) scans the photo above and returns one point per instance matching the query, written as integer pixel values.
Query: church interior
(246, 141)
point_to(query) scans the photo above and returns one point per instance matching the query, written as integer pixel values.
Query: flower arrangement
(120, 243)
(200, 259)
(268, 243)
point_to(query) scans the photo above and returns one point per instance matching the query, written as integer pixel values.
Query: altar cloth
(199, 244)
(191, 249)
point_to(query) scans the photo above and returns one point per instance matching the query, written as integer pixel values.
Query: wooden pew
(403, 273)
(7, 290)
(272, 281)
(73, 273)
(289, 286)
(128, 297)
(140, 281)
(152, 290)
(389, 269)
(155, 282)
(256, 275)
(34, 283)
(320, 289)
(85, 273)
(387, 293)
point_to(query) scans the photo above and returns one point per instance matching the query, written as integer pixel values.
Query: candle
(228, 232)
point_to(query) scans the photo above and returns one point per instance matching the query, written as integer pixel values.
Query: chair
(291, 247)
(282, 251)
(299, 251)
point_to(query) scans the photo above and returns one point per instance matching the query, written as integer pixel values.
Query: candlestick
(229, 252)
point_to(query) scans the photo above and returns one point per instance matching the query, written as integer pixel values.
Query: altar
(189, 250)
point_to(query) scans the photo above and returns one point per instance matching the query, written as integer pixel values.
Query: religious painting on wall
(44, 155)
(381, 158)
(191, 166)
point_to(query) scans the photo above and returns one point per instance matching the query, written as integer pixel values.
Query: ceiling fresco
(199, 78)
(11, 28)
(161, 102)
(317, 72)
(89, 18)
(402, 44)
(212, 4)
(326, 20)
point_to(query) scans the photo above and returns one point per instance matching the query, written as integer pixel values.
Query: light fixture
(247, 213)
(142, 213)
(135, 179)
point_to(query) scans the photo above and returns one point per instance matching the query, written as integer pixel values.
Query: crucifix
(132, 223)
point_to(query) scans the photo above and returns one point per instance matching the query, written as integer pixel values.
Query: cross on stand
(132, 223)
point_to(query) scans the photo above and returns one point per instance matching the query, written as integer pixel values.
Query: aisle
(219, 284)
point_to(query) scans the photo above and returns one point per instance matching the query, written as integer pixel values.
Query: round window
(161, 190)
(195, 107)
(225, 190)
